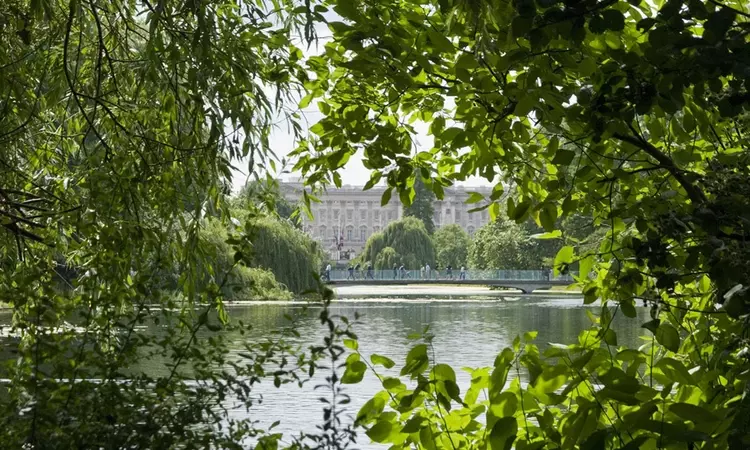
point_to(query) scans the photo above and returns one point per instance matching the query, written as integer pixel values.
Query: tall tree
(629, 112)
(423, 205)
(451, 245)
(120, 122)
(504, 245)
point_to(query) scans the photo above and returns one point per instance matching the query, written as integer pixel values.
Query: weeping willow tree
(293, 257)
(387, 258)
(408, 238)
(243, 283)
(120, 124)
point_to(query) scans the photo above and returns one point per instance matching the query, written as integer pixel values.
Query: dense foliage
(631, 113)
(409, 240)
(294, 257)
(451, 245)
(119, 124)
(266, 194)
(504, 245)
(387, 259)
(422, 206)
(243, 282)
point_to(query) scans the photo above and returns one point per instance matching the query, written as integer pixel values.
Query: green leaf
(354, 372)
(475, 197)
(305, 102)
(674, 432)
(494, 211)
(628, 308)
(694, 413)
(413, 425)
(380, 431)
(443, 372)
(351, 343)
(372, 408)
(380, 360)
(555, 234)
(520, 211)
(440, 42)
(652, 325)
(386, 197)
(503, 433)
(675, 370)
(416, 361)
(668, 336)
(520, 26)
(563, 157)
(610, 337)
(584, 267)
(614, 19)
(467, 61)
(374, 179)
(548, 216)
(391, 383)
(564, 257)
(525, 105)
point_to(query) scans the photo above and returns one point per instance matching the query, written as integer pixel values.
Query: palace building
(346, 217)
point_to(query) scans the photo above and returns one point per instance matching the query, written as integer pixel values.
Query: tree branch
(695, 194)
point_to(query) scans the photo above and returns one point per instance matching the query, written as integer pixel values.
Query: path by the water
(445, 290)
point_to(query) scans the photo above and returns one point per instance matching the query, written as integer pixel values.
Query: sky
(354, 173)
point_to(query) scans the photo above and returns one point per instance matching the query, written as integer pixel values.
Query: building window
(363, 234)
(322, 231)
(349, 233)
(336, 233)
(363, 214)
(458, 215)
(349, 214)
(377, 215)
(335, 214)
(471, 231)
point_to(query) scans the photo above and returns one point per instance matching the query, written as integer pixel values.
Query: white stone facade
(346, 217)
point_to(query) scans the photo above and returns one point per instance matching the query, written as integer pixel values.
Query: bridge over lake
(526, 281)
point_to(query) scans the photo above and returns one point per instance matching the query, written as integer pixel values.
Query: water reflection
(468, 333)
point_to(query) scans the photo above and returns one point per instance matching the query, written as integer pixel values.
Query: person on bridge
(395, 272)
(403, 272)
(462, 275)
(351, 273)
(449, 271)
(421, 273)
(328, 272)
(427, 270)
(369, 271)
(356, 271)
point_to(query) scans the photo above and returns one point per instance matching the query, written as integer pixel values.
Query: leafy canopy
(451, 245)
(632, 113)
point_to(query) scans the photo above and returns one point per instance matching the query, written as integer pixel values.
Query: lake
(470, 324)
(469, 331)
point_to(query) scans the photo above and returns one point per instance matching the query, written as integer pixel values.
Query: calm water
(469, 331)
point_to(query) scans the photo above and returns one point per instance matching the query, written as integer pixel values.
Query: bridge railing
(443, 274)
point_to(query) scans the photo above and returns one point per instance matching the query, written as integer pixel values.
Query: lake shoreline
(419, 294)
